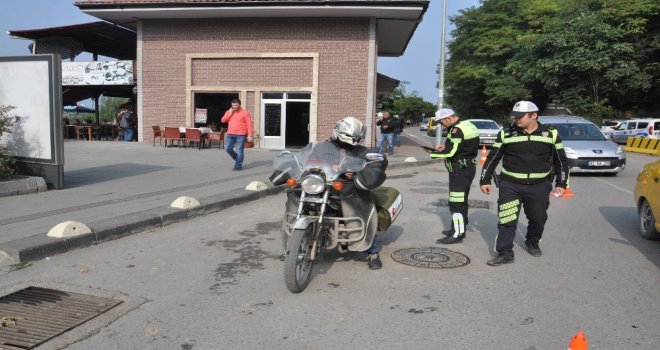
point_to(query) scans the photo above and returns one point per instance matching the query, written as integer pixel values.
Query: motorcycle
(325, 211)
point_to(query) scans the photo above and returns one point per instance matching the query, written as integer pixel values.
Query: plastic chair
(194, 135)
(218, 136)
(157, 133)
(172, 134)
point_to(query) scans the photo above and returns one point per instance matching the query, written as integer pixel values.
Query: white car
(587, 149)
(488, 130)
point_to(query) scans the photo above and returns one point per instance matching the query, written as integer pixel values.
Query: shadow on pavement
(90, 176)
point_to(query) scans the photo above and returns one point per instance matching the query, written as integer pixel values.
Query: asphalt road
(216, 282)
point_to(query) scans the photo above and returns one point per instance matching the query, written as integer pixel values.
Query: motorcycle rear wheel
(297, 270)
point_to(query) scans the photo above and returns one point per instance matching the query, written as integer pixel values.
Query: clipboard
(429, 149)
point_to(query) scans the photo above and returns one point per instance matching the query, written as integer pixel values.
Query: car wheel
(647, 222)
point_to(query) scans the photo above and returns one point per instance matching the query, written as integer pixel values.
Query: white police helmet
(349, 130)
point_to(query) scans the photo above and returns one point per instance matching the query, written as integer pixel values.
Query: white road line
(612, 185)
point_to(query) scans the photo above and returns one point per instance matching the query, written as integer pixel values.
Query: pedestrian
(387, 126)
(240, 128)
(529, 151)
(126, 124)
(398, 130)
(460, 155)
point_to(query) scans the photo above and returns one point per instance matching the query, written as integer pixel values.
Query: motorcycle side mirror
(375, 157)
(285, 153)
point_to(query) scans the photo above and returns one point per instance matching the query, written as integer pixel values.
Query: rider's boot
(374, 262)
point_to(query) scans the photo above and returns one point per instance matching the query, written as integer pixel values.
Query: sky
(417, 66)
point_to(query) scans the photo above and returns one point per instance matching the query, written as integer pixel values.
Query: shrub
(6, 161)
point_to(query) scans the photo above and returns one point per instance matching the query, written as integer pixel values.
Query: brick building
(298, 66)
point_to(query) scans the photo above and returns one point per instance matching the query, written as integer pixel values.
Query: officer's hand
(558, 192)
(487, 189)
(440, 147)
(349, 176)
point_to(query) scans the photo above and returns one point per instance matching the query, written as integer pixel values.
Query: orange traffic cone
(568, 192)
(484, 154)
(579, 342)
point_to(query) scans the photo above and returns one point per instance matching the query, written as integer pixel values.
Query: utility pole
(441, 79)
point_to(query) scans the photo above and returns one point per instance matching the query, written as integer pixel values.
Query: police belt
(463, 163)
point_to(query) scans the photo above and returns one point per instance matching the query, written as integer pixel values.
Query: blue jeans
(390, 142)
(128, 134)
(239, 140)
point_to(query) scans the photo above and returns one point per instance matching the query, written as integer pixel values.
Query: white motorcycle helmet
(349, 130)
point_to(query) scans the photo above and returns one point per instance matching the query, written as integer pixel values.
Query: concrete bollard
(68, 229)
(185, 202)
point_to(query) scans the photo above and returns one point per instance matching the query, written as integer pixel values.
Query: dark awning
(101, 38)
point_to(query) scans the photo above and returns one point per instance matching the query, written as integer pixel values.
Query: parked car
(488, 130)
(424, 125)
(635, 127)
(609, 126)
(647, 198)
(587, 149)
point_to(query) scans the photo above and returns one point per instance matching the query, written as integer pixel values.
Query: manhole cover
(34, 315)
(431, 258)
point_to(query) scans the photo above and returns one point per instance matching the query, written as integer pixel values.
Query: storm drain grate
(431, 258)
(34, 315)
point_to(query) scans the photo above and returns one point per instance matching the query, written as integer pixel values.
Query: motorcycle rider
(347, 136)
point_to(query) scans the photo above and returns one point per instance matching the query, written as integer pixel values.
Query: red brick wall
(342, 45)
(246, 71)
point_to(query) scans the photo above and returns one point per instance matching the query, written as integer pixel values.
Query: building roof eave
(397, 20)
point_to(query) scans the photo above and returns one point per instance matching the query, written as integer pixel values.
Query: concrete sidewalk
(121, 188)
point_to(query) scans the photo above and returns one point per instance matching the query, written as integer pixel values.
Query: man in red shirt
(240, 129)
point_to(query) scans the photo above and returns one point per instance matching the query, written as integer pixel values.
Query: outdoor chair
(158, 133)
(219, 137)
(172, 134)
(194, 135)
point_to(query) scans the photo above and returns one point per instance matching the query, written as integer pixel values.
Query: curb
(40, 246)
(26, 185)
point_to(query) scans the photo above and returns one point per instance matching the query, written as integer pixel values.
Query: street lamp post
(441, 79)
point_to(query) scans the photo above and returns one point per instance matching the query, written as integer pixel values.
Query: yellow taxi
(647, 197)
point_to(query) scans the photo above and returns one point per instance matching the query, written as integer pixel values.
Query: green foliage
(109, 107)
(407, 106)
(6, 161)
(598, 57)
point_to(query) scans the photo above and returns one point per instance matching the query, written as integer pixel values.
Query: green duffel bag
(389, 203)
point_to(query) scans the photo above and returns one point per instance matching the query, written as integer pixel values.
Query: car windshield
(485, 124)
(584, 132)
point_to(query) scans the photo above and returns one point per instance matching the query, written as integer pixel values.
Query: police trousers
(535, 200)
(460, 179)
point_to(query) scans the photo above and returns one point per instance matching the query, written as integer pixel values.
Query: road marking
(613, 185)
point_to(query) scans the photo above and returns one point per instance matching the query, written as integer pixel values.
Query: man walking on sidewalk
(240, 128)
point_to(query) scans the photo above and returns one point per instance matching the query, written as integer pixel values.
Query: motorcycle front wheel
(297, 266)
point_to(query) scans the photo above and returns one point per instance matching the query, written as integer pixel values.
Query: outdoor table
(81, 130)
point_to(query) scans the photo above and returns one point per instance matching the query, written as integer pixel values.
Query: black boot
(533, 248)
(374, 262)
(449, 232)
(450, 239)
(500, 259)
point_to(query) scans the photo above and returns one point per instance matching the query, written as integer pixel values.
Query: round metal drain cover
(430, 258)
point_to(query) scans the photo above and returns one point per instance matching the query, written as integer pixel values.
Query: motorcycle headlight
(570, 153)
(313, 184)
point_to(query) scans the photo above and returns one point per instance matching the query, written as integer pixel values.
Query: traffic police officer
(529, 152)
(459, 152)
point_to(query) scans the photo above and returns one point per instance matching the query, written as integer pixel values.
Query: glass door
(274, 123)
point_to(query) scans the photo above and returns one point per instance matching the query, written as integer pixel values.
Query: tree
(6, 161)
(598, 57)
(407, 106)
